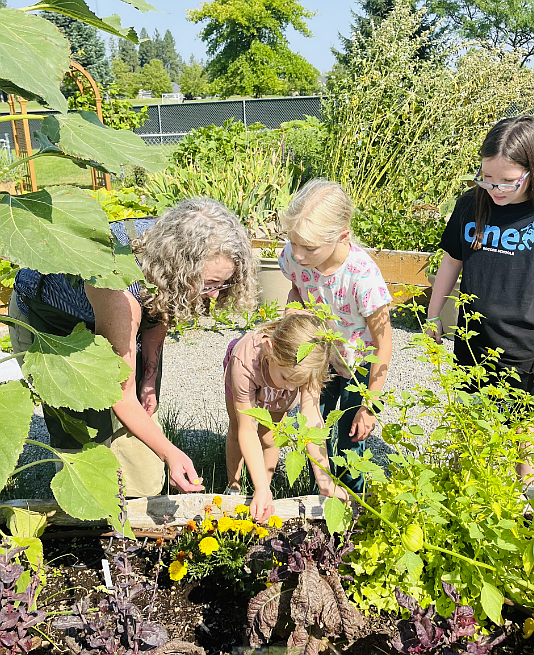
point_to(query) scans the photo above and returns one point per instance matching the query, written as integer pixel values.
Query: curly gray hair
(176, 249)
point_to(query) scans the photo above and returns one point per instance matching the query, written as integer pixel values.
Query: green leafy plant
(450, 508)
(63, 230)
(120, 204)
(218, 548)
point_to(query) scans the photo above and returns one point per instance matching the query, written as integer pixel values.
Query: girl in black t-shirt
(490, 239)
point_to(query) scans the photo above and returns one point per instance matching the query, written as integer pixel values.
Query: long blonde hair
(318, 212)
(175, 251)
(287, 334)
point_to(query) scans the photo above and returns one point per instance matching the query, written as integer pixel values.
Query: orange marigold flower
(208, 545)
(207, 509)
(192, 526)
(177, 570)
(217, 501)
(181, 556)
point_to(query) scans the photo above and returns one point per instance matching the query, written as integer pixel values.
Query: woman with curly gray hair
(195, 251)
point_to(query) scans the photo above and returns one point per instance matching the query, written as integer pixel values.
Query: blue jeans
(335, 391)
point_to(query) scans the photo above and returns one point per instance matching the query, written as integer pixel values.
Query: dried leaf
(298, 638)
(306, 602)
(351, 619)
(264, 611)
(314, 646)
(330, 618)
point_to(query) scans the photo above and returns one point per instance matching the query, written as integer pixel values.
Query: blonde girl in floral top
(320, 259)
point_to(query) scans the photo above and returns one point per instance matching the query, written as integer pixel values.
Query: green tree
(496, 22)
(248, 48)
(171, 59)
(194, 79)
(127, 52)
(86, 46)
(147, 50)
(155, 77)
(3, 3)
(126, 82)
(158, 45)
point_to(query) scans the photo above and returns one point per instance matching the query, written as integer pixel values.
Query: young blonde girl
(261, 370)
(321, 259)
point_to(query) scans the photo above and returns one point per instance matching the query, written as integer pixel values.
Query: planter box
(449, 313)
(152, 512)
(398, 267)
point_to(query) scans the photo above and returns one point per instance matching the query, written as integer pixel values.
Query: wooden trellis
(23, 144)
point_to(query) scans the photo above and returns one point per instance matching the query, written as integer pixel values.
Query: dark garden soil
(206, 615)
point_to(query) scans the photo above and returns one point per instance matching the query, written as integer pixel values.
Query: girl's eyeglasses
(219, 288)
(505, 188)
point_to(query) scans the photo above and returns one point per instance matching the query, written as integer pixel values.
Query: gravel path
(192, 386)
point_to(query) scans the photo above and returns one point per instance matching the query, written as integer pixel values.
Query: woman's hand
(261, 507)
(362, 425)
(181, 465)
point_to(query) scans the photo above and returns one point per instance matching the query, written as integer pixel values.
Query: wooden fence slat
(150, 513)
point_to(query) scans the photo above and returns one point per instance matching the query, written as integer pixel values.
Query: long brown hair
(511, 139)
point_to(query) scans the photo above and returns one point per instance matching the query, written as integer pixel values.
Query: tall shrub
(402, 130)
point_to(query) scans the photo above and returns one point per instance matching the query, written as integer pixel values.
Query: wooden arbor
(98, 178)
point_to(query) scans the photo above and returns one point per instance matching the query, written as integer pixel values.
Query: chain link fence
(167, 124)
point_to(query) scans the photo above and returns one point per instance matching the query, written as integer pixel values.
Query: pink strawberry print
(305, 276)
(341, 292)
(345, 309)
(316, 276)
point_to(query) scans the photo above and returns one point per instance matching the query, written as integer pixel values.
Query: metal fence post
(159, 124)
(244, 112)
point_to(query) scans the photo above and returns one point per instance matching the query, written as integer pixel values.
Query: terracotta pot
(449, 313)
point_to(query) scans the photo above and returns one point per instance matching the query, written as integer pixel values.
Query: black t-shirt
(501, 274)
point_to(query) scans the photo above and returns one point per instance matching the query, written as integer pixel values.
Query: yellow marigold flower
(241, 509)
(208, 545)
(246, 526)
(398, 293)
(217, 501)
(275, 521)
(177, 570)
(261, 532)
(192, 526)
(208, 526)
(225, 524)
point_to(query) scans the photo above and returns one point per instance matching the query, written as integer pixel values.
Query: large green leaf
(63, 230)
(16, 409)
(81, 136)
(34, 56)
(79, 10)
(87, 486)
(78, 371)
(142, 5)
(294, 464)
(491, 600)
(338, 515)
(74, 426)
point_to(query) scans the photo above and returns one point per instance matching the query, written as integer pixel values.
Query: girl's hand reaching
(435, 334)
(362, 425)
(261, 507)
(181, 465)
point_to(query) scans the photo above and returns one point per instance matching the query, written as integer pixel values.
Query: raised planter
(271, 281)
(449, 313)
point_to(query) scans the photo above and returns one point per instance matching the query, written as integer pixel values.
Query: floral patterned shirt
(354, 292)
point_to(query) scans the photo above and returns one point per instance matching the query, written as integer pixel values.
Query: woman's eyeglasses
(505, 188)
(218, 288)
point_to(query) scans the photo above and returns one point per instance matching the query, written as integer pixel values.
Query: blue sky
(333, 16)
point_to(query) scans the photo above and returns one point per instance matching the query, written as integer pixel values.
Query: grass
(206, 447)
